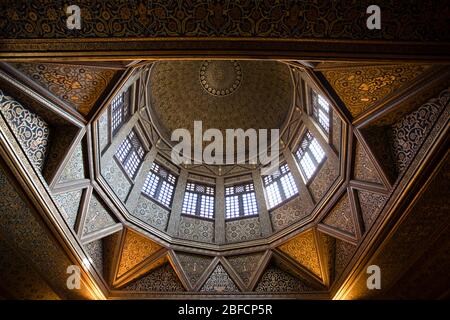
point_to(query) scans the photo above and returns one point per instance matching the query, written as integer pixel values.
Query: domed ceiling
(221, 93)
(137, 247)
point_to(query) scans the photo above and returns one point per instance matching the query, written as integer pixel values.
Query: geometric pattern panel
(329, 248)
(136, 248)
(110, 244)
(219, 282)
(97, 217)
(75, 167)
(410, 131)
(95, 252)
(30, 129)
(80, 86)
(151, 213)
(340, 216)
(303, 250)
(238, 19)
(371, 205)
(291, 212)
(69, 204)
(162, 278)
(361, 87)
(344, 252)
(322, 182)
(277, 280)
(246, 265)
(196, 229)
(116, 178)
(242, 230)
(364, 169)
(193, 265)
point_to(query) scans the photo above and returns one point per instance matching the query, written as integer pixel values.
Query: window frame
(123, 109)
(277, 181)
(298, 159)
(198, 201)
(240, 195)
(316, 107)
(133, 150)
(159, 185)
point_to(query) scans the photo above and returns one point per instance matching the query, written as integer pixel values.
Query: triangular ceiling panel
(98, 217)
(161, 278)
(340, 217)
(69, 204)
(219, 282)
(344, 252)
(329, 248)
(379, 140)
(61, 139)
(193, 265)
(361, 87)
(364, 169)
(75, 168)
(77, 85)
(276, 279)
(136, 248)
(303, 249)
(246, 265)
(95, 252)
(371, 205)
(111, 245)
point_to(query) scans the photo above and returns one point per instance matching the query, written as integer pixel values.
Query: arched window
(309, 155)
(199, 200)
(120, 110)
(321, 111)
(130, 154)
(240, 201)
(280, 188)
(160, 185)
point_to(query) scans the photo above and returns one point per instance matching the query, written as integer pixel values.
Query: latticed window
(199, 200)
(160, 185)
(321, 111)
(240, 201)
(281, 187)
(130, 154)
(120, 106)
(309, 155)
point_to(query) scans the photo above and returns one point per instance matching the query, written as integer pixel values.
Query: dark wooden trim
(220, 47)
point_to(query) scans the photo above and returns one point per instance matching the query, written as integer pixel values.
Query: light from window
(199, 200)
(280, 188)
(309, 155)
(159, 185)
(130, 154)
(321, 111)
(120, 111)
(240, 201)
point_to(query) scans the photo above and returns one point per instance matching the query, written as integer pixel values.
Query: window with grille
(280, 188)
(130, 154)
(160, 185)
(309, 155)
(321, 111)
(240, 201)
(199, 200)
(120, 106)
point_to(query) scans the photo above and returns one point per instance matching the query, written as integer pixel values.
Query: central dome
(223, 94)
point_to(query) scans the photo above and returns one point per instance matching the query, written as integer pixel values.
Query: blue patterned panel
(30, 129)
